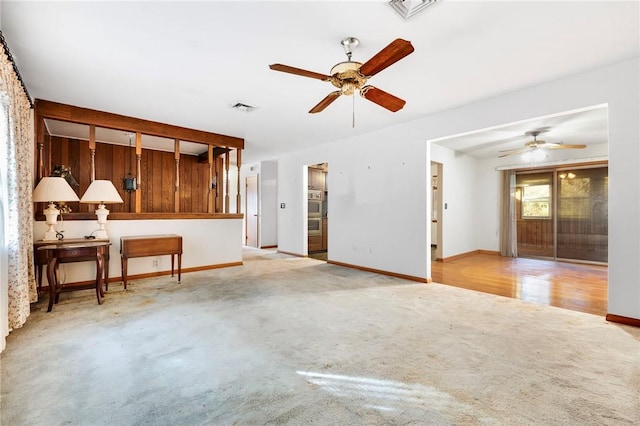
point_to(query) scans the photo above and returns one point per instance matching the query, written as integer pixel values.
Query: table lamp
(101, 192)
(51, 190)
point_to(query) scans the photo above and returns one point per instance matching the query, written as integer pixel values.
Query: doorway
(436, 210)
(317, 211)
(251, 209)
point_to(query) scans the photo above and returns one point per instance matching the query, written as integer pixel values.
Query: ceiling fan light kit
(351, 76)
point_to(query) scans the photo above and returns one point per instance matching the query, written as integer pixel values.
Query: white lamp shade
(51, 189)
(101, 192)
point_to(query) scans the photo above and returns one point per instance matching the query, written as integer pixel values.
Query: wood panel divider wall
(189, 188)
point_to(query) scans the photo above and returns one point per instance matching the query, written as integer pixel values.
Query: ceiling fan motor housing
(346, 77)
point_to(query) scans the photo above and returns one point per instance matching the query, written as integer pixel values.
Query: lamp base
(100, 234)
(50, 236)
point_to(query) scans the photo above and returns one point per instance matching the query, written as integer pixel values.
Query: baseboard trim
(634, 322)
(467, 254)
(269, 247)
(292, 254)
(379, 271)
(45, 288)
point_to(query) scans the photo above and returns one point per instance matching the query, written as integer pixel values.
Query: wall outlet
(155, 262)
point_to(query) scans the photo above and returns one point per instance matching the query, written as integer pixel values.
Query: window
(536, 201)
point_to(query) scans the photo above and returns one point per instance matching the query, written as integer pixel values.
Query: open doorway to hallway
(317, 211)
(436, 210)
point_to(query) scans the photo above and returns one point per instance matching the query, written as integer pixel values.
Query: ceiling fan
(351, 76)
(536, 144)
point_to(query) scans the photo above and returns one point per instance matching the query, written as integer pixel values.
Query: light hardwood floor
(578, 287)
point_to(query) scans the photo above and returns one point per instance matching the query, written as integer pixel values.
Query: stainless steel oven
(314, 204)
(314, 226)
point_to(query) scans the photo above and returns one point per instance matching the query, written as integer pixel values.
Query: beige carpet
(286, 340)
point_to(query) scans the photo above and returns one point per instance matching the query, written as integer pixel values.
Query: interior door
(251, 210)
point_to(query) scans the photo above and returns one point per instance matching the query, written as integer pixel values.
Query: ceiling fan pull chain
(353, 112)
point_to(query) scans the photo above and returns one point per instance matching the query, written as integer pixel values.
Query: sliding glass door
(582, 214)
(562, 213)
(535, 214)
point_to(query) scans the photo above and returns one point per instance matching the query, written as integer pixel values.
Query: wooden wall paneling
(103, 159)
(156, 182)
(168, 175)
(203, 193)
(186, 188)
(73, 150)
(119, 170)
(83, 175)
(146, 164)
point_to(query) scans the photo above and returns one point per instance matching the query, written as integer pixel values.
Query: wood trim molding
(292, 254)
(379, 271)
(268, 247)
(634, 322)
(467, 254)
(74, 114)
(45, 288)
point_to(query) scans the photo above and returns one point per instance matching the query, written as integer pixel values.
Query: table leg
(123, 264)
(106, 269)
(179, 266)
(39, 273)
(51, 277)
(172, 259)
(99, 273)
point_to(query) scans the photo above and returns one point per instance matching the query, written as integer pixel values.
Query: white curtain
(508, 226)
(17, 283)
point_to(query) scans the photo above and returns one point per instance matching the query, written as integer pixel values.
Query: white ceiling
(187, 63)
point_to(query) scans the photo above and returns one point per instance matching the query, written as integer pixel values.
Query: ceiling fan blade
(325, 102)
(513, 152)
(299, 71)
(382, 98)
(391, 54)
(549, 145)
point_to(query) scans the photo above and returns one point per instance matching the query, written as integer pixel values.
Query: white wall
(377, 213)
(268, 183)
(385, 206)
(204, 242)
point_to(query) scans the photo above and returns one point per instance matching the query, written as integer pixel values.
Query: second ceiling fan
(537, 144)
(351, 76)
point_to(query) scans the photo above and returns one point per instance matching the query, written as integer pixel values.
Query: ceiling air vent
(243, 107)
(408, 8)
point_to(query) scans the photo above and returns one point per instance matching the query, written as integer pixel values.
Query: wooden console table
(150, 245)
(41, 258)
(74, 252)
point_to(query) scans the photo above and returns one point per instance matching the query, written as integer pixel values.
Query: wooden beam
(238, 160)
(176, 193)
(56, 111)
(138, 192)
(210, 194)
(92, 151)
(226, 192)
